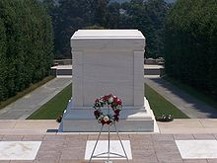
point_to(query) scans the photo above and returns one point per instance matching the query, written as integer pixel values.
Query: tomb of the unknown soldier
(108, 62)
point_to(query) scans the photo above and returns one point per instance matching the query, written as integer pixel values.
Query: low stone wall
(64, 72)
(159, 72)
(151, 61)
(63, 62)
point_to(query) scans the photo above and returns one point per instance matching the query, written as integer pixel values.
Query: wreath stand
(109, 145)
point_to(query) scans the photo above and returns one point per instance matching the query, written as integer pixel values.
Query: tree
(3, 66)
(113, 15)
(26, 45)
(148, 17)
(191, 32)
(71, 15)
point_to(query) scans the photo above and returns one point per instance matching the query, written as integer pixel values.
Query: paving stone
(215, 136)
(170, 161)
(7, 124)
(72, 161)
(48, 155)
(54, 137)
(21, 161)
(195, 161)
(112, 137)
(209, 123)
(145, 161)
(183, 136)
(169, 158)
(1, 137)
(12, 138)
(165, 147)
(46, 160)
(162, 137)
(75, 154)
(140, 137)
(94, 161)
(67, 155)
(212, 160)
(76, 138)
(123, 161)
(145, 156)
(203, 136)
(33, 138)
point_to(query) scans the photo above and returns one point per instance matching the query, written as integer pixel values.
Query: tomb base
(131, 119)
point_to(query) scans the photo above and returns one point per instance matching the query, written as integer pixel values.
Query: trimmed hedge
(26, 45)
(190, 45)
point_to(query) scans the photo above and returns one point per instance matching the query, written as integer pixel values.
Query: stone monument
(108, 62)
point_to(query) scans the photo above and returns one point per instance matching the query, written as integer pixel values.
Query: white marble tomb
(104, 62)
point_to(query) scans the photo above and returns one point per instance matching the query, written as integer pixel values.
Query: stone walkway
(186, 103)
(24, 107)
(146, 147)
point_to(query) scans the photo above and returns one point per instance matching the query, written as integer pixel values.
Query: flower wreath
(110, 101)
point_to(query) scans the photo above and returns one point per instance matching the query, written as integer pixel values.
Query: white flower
(110, 100)
(106, 118)
(118, 107)
(100, 118)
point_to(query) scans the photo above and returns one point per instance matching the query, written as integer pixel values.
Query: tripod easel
(109, 152)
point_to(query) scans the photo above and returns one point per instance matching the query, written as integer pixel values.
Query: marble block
(102, 147)
(107, 62)
(197, 149)
(19, 150)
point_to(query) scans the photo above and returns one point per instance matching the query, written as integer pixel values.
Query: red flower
(108, 122)
(110, 95)
(119, 102)
(97, 100)
(116, 118)
(110, 101)
(115, 99)
(117, 112)
(103, 122)
(105, 98)
(97, 113)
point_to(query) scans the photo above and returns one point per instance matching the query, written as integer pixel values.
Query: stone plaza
(146, 147)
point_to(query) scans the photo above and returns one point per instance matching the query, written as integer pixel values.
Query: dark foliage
(191, 39)
(71, 15)
(25, 45)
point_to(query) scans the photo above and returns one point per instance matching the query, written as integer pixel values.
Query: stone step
(94, 126)
(131, 119)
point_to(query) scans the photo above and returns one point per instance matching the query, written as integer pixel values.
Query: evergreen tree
(3, 66)
(25, 45)
(190, 49)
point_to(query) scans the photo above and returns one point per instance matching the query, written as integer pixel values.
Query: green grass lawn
(160, 105)
(55, 107)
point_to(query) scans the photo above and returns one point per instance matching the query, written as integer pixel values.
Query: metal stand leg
(109, 147)
(96, 144)
(108, 143)
(121, 142)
